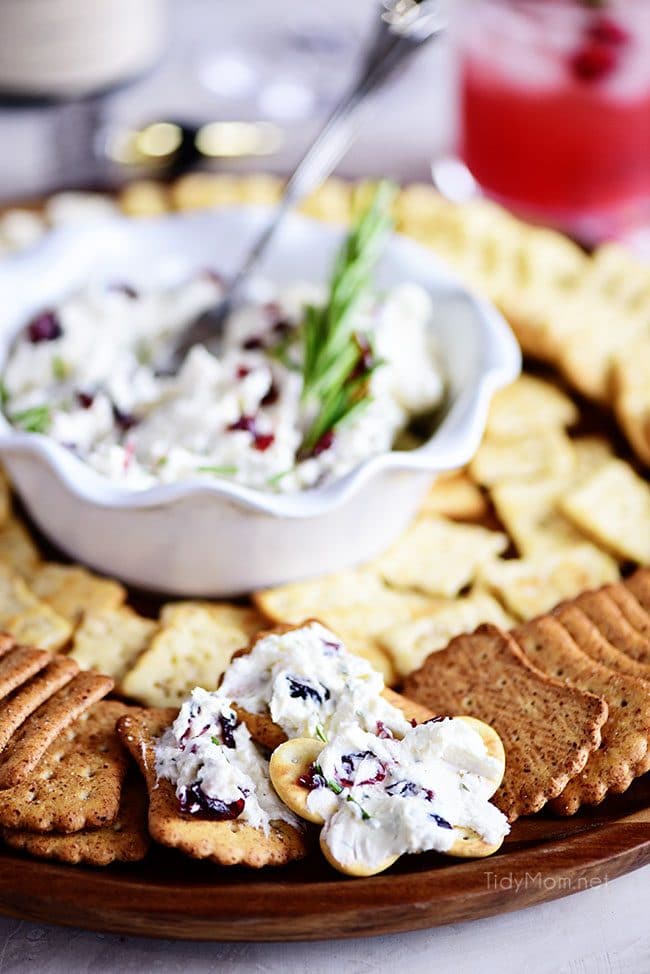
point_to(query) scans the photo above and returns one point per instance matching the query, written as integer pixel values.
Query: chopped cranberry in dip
(91, 370)
(217, 770)
(309, 684)
(381, 797)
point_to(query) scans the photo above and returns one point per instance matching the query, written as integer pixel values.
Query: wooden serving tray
(168, 895)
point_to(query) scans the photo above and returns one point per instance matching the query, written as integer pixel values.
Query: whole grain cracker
(529, 587)
(546, 454)
(639, 586)
(606, 615)
(126, 840)
(49, 721)
(29, 620)
(548, 729)
(111, 640)
(17, 707)
(18, 665)
(409, 643)
(613, 507)
(71, 590)
(438, 557)
(456, 497)
(229, 843)
(192, 648)
(592, 642)
(78, 781)
(631, 607)
(527, 406)
(624, 753)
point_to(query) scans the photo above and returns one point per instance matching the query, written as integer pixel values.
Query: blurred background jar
(555, 110)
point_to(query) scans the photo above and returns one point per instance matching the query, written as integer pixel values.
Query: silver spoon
(403, 27)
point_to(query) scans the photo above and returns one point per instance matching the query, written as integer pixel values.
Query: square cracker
(548, 729)
(78, 782)
(544, 454)
(529, 405)
(356, 604)
(438, 557)
(193, 647)
(529, 587)
(24, 751)
(20, 704)
(71, 590)
(530, 514)
(29, 620)
(456, 497)
(613, 507)
(17, 550)
(591, 641)
(606, 615)
(111, 640)
(126, 840)
(624, 753)
(409, 643)
(226, 843)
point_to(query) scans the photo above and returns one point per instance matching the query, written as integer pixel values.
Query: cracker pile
(568, 693)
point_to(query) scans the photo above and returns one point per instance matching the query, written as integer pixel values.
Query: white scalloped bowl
(222, 539)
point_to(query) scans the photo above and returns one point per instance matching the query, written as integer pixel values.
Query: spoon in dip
(403, 27)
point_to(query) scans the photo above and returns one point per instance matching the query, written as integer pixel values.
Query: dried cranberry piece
(253, 343)
(441, 822)
(302, 691)
(282, 327)
(607, 30)
(383, 732)
(351, 762)
(312, 779)
(195, 800)
(433, 720)
(246, 423)
(46, 327)
(263, 441)
(85, 399)
(323, 444)
(242, 372)
(271, 396)
(228, 725)
(366, 360)
(594, 61)
(125, 421)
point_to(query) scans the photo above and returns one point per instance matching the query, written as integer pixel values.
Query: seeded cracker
(111, 640)
(592, 642)
(77, 783)
(548, 729)
(225, 843)
(606, 615)
(438, 557)
(18, 665)
(193, 647)
(23, 753)
(126, 840)
(624, 753)
(18, 706)
(613, 507)
(71, 590)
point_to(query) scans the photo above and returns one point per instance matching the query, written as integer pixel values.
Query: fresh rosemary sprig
(37, 419)
(337, 362)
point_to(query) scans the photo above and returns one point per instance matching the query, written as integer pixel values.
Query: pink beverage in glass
(555, 110)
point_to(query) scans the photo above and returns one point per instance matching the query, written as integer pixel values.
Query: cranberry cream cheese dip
(305, 383)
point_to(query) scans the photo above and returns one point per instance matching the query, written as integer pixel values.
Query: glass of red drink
(555, 110)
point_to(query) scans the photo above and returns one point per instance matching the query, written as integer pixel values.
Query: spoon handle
(405, 26)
